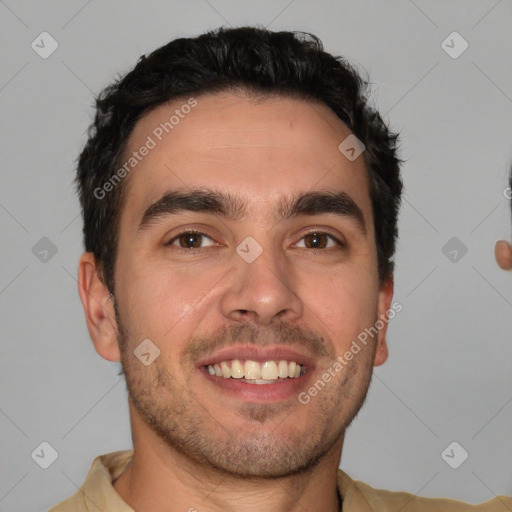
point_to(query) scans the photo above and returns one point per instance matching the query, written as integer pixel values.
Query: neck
(162, 479)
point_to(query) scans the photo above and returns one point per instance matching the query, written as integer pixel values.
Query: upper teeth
(268, 370)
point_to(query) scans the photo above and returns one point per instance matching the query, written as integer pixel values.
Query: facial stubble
(266, 442)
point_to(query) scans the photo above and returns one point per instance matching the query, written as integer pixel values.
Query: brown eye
(319, 240)
(316, 240)
(190, 240)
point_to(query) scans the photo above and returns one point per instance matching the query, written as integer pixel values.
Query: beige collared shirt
(97, 493)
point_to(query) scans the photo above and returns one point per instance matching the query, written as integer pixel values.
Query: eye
(190, 240)
(319, 240)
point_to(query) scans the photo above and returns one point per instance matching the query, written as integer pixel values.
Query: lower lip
(259, 393)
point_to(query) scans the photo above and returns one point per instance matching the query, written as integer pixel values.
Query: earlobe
(381, 354)
(503, 254)
(98, 308)
(385, 298)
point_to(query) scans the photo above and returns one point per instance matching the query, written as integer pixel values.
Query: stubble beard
(178, 417)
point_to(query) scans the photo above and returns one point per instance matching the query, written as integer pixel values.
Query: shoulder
(75, 503)
(97, 490)
(360, 496)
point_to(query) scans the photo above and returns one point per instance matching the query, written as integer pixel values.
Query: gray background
(448, 377)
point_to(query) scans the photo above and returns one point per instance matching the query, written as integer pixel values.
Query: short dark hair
(256, 60)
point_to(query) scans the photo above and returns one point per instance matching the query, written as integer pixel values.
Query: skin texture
(195, 446)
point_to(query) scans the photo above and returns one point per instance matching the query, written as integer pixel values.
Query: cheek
(346, 304)
(165, 304)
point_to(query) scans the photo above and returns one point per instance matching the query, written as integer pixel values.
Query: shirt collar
(99, 493)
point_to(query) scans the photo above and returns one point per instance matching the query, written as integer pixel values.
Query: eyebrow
(233, 207)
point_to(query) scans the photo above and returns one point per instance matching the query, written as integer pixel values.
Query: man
(240, 204)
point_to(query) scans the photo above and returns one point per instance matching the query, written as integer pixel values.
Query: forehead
(258, 148)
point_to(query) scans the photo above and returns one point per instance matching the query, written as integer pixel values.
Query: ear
(503, 255)
(385, 297)
(98, 308)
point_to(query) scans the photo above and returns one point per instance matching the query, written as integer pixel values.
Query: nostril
(245, 315)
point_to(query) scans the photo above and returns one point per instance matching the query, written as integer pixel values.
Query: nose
(262, 291)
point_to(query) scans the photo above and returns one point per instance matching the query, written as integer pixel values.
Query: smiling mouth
(256, 372)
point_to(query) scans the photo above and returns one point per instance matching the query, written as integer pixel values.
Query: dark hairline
(246, 91)
(203, 66)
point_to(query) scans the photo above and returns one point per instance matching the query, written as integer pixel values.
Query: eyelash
(190, 249)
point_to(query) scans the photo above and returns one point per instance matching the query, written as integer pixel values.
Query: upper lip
(260, 354)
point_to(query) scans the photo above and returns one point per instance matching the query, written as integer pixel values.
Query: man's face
(213, 298)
